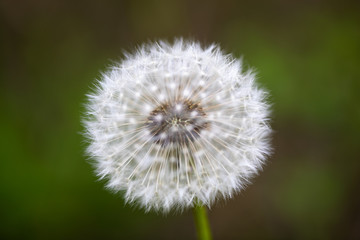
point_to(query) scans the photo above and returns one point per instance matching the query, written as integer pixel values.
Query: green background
(306, 53)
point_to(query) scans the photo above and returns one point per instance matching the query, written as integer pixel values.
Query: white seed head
(177, 124)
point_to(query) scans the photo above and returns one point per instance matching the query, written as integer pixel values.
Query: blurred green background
(307, 53)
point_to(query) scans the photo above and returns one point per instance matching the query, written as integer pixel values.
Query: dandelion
(177, 125)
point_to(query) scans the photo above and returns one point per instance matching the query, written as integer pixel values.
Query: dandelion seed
(176, 124)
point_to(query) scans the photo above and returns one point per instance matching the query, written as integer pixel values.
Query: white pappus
(174, 125)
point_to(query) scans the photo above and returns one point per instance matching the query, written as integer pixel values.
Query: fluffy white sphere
(176, 124)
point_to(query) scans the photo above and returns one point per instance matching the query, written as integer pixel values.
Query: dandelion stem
(202, 223)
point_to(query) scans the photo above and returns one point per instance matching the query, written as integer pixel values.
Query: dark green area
(307, 53)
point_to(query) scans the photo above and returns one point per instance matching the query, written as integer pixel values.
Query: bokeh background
(307, 54)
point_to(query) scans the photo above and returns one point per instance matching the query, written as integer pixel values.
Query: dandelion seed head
(176, 124)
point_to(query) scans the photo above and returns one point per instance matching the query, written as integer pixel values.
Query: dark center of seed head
(178, 122)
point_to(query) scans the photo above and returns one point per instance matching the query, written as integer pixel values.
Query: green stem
(202, 223)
